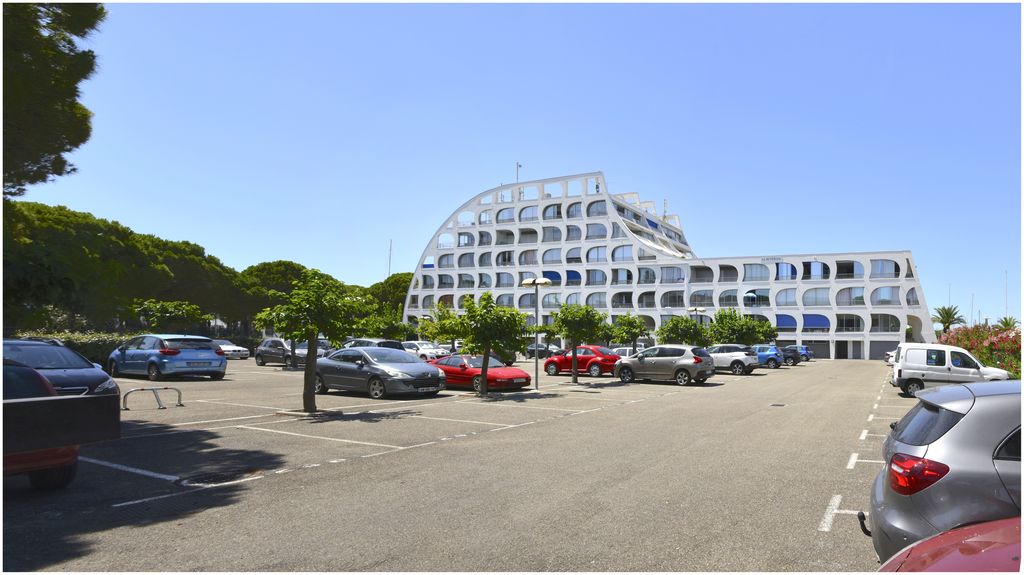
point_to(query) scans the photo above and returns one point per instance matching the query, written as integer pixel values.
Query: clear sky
(316, 133)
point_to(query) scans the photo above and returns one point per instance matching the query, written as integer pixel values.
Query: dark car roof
(28, 342)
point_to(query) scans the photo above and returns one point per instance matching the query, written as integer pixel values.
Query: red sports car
(988, 546)
(464, 371)
(592, 359)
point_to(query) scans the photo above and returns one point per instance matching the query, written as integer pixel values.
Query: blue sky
(316, 133)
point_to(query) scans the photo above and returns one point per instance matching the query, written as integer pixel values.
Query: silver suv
(680, 363)
(953, 459)
(738, 359)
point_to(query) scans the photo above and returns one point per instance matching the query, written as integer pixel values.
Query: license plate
(197, 363)
(519, 380)
(426, 389)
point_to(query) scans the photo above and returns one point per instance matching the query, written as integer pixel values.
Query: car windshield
(605, 351)
(222, 342)
(189, 343)
(45, 356)
(477, 361)
(388, 355)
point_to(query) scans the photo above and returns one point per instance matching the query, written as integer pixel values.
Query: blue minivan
(161, 355)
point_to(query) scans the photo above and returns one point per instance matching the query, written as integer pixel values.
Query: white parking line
(478, 402)
(460, 420)
(241, 404)
(317, 437)
(831, 511)
(134, 470)
(864, 435)
(854, 460)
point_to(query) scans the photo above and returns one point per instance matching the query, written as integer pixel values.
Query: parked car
(591, 359)
(273, 350)
(919, 365)
(987, 546)
(66, 370)
(806, 353)
(378, 371)
(373, 342)
(465, 371)
(683, 364)
(890, 356)
(953, 459)
(541, 350)
(447, 346)
(323, 347)
(160, 355)
(768, 356)
(624, 351)
(232, 351)
(425, 350)
(739, 359)
(790, 357)
(52, 468)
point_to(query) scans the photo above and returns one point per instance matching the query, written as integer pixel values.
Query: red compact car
(592, 359)
(988, 546)
(464, 371)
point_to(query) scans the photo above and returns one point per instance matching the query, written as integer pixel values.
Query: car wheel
(913, 387)
(114, 372)
(790, 362)
(594, 370)
(154, 372)
(551, 368)
(683, 377)
(737, 367)
(476, 384)
(377, 389)
(49, 479)
(626, 375)
(319, 386)
(217, 376)
(772, 364)
(804, 358)
(259, 360)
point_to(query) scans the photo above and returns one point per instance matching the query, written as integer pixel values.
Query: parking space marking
(134, 470)
(478, 402)
(317, 436)
(460, 420)
(854, 460)
(137, 501)
(831, 511)
(218, 420)
(864, 435)
(241, 404)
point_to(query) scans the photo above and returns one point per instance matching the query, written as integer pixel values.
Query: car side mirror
(464, 366)
(97, 366)
(360, 363)
(121, 348)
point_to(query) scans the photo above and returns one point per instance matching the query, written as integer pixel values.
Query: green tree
(317, 304)
(491, 328)
(948, 316)
(43, 66)
(629, 328)
(1008, 322)
(392, 291)
(170, 315)
(729, 326)
(681, 329)
(444, 325)
(577, 324)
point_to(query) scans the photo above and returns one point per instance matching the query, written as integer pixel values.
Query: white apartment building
(614, 253)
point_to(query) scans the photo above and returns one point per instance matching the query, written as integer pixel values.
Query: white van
(917, 365)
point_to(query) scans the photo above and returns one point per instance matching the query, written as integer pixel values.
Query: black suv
(790, 356)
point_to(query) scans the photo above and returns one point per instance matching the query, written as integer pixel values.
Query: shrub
(991, 345)
(96, 346)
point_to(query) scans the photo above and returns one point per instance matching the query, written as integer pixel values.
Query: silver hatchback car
(683, 364)
(953, 459)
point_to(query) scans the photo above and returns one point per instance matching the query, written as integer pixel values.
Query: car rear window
(45, 356)
(701, 352)
(925, 423)
(20, 382)
(391, 345)
(189, 344)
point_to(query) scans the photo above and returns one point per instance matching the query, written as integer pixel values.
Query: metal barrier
(124, 402)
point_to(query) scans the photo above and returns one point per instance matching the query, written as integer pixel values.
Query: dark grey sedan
(954, 459)
(378, 371)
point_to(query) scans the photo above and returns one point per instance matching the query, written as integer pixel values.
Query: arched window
(464, 300)
(702, 298)
(701, 275)
(573, 233)
(465, 280)
(815, 271)
(755, 273)
(597, 300)
(598, 208)
(506, 280)
(505, 300)
(728, 299)
(466, 218)
(466, 261)
(445, 241)
(573, 256)
(466, 240)
(523, 276)
(528, 258)
(572, 299)
(428, 282)
(676, 299)
(884, 269)
(596, 278)
(484, 280)
(528, 214)
(617, 231)
(886, 296)
(573, 278)
(646, 300)
(756, 298)
(485, 238)
(850, 296)
(596, 232)
(884, 323)
(786, 298)
(485, 217)
(553, 256)
(849, 270)
(505, 259)
(644, 255)
(428, 301)
(622, 277)
(574, 211)
(485, 260)
(445, 281)
(446, 300)
(506, 215)
(527, 236)
(597, 254)
(446, 261)
(553, 212)
(672, 275)
(552, 234)
(645, 276)
(728, 274)
(847, 323)
(912, 297)
(527, 301)
(414, 301)
(550, 301)
(784, 271)
(505, 238)
(555, 277)
(816, 323)
(622, 299)
(622, 254)
(816, 297)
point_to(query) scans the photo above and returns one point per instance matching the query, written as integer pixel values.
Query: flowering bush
(995, 347)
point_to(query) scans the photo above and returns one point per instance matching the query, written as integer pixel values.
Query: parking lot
(763, 472)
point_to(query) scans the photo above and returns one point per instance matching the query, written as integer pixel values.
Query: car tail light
(219, 351)
(697, 359)
(169, 351)
(909, 474)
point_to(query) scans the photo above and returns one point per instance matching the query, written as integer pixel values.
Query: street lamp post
(536, 283)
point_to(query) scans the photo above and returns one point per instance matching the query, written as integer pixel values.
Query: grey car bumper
(894, 522)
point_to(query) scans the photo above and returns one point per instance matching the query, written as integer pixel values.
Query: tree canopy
(43, 67)
(577, 324)
(490, 328)
(948, 316)
(681, 329)
(629, 328)
(729, 326)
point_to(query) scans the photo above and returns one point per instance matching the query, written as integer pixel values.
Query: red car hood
(989, 546)
(505, 373)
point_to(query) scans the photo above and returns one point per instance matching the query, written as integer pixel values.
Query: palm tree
(948, 315)
(1008, 322)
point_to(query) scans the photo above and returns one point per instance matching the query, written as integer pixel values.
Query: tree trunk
(309, 377)
(294, 361)
(483, 370)
(574, 366)
(634, 345)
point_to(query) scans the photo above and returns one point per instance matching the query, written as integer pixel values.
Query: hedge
(97, 346)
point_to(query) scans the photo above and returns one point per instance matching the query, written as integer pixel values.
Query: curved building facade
(615, 254)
